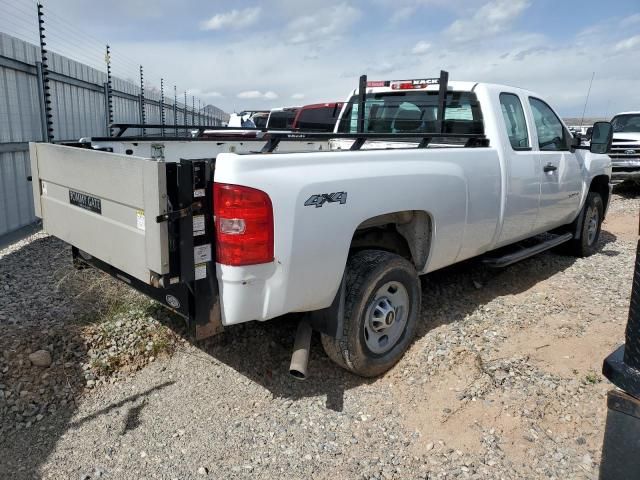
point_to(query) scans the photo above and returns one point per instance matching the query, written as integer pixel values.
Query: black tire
(367, 273)
(588, 242)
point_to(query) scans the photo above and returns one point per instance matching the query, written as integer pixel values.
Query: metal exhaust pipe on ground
(301, 346)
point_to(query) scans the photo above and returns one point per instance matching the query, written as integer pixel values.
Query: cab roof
(432, 85)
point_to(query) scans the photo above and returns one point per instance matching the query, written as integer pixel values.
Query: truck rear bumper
(201, 311)
(246, 293)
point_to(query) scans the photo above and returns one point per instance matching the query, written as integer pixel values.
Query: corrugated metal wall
(78, 108)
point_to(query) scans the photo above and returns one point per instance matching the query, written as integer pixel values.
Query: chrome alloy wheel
(592, 220)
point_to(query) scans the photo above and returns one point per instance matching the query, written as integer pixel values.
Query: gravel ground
(502, 381)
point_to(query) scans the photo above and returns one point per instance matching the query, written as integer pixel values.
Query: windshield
(319, 119)
(407, 112)
(282, 118)
(626, 123)
(260, 120)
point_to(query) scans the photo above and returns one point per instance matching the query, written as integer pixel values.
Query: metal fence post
(175, 110)
(162, 116)
(143, 114)
(185, 113)
(107, 120)
(108, 90)
(46, 87)
(43, 116)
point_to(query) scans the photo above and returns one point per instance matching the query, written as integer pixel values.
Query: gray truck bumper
(625, 169)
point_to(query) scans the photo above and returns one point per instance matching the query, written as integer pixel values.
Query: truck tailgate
(105, 204)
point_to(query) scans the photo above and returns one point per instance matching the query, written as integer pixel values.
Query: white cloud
(421, 47)
(492, 18)
(254, 63)
(234, 19)
(631, 20)
(252, 94)
(326, 24)
(402, 13)
(402, 10)
(298, 96)
(196, 92)
(628, 44)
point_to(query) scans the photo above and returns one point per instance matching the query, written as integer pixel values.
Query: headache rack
(273, 137)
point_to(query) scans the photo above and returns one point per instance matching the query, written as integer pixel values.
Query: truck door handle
(550, 167)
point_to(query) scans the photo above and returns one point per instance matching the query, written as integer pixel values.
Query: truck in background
(282, 118)
(625, 150)
(318, 117)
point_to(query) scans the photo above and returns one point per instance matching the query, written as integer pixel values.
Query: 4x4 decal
(322, 198)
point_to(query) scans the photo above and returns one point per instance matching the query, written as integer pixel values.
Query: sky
(249, 54)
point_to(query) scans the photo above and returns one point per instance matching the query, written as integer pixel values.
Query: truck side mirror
(601, 137)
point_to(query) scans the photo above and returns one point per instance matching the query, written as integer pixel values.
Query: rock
(41, 358)
(203, 471)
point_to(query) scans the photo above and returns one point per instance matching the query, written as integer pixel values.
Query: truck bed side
(458, 190)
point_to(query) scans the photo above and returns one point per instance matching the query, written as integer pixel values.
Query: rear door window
(514, 120)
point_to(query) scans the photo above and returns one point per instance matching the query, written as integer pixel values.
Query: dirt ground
(502, 381)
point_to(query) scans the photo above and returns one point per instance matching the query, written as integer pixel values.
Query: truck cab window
(514, 120)
(551, 133)
(407, 112)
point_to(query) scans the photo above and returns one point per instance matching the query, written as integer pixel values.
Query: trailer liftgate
(149, 222)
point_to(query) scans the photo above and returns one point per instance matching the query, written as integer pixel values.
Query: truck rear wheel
(382, 304)
(592, 215)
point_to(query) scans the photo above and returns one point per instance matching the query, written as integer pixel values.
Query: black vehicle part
(584, 244)
(513, 257)
(622, 367)
(273, 136)
(620, 459)
(329, 321)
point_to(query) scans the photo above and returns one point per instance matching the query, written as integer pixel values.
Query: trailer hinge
(178, 214)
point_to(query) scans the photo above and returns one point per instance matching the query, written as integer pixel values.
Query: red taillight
(244, 225)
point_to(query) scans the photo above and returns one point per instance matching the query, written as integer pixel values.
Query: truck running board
(513, 257)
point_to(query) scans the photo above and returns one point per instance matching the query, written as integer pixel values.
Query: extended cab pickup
(224, 238)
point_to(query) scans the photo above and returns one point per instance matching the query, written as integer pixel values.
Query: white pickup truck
(229, 232)
(625, 150)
